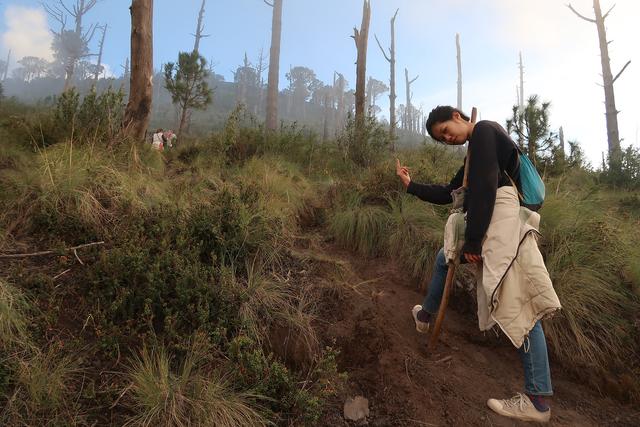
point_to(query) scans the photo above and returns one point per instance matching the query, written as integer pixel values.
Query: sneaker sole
(415, 320)
(497, 408)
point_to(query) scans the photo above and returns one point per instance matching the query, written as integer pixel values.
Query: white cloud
(562, 63)
(562, 60)
(27, 33)
(108, 72)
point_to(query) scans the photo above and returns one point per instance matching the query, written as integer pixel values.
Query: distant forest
(323, 108)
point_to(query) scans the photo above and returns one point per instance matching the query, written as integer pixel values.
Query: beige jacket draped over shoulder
(514, 289)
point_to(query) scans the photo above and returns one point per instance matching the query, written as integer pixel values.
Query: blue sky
(560, 51)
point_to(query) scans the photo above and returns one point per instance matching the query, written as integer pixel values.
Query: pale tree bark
(408, 108)
(561, 138)
(289, 95)
(459, 62)
(199, 29)
(138, 111)
(259, 108)
(100, 49)
(241, 83)
(611, 114)
(361, 38)
(521, 87)
(274, 65)
(339, 87)
(392, 80)
(521, 100)
(326, 109)
(6, 66)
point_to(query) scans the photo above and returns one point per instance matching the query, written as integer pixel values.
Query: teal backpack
(533, 190)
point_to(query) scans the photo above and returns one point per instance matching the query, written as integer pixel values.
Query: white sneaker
(422, 327)
(519, 407)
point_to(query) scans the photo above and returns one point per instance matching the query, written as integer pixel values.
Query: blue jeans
(535, 361)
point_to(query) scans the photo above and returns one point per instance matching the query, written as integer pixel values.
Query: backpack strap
(520, 196)
(465, 180)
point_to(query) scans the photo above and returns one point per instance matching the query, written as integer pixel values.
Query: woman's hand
(403, 173)
(472, 258)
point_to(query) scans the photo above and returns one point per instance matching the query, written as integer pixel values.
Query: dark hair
(440, 114)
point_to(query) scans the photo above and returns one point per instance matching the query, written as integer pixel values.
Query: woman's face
(454, 131)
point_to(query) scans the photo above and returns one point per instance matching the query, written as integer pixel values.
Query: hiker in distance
(513, 295)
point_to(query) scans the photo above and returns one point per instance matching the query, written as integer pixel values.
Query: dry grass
(271, 299)
(588, 249)
(13, 324)
(43, 392)
(362, 228)
(160, 396)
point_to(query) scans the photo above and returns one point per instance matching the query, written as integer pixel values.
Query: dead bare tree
(521, 87)
(6, 66)
(611, 114)
(75, 41)
(339, 86)
(361, 38)
(243, 77)
(561, 139)
(391, 59)
(408, 108)
(274, 65)
(520, 95)
(138, 111)
(100, 49)
(260, 67)
(199, 28)
(459, 61)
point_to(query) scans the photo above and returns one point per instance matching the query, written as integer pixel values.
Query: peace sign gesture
(403, 173)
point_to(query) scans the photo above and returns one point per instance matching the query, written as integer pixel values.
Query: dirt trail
(387, 361)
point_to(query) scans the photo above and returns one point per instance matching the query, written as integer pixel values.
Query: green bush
(96, 118)
(156, 277)
(288, 396)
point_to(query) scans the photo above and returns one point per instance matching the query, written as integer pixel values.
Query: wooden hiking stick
(451, 272)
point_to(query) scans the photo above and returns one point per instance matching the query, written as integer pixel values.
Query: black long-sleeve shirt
(492, 152)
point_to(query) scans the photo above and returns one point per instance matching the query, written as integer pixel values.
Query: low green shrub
(288, 396)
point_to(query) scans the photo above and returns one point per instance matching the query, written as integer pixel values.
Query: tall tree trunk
(521, 97)
(459, 61)
(325, 127)
(274, 66)
(611, 114)
(339, 95)
(408, 108)
(138, 111)
(369, 94)
(521, 101)
(392, 94)
(199, 28)
(257, 108)
(99, 64)
(6, 66)
(361, 38)
(391, 59)
(183, 119)
(561, 137)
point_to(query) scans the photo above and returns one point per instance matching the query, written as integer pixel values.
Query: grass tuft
(161, 396)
